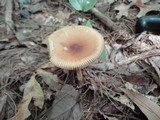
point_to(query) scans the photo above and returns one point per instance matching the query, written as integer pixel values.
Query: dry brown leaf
(50, 79)
(148, 107)
(39, 18)
(110, 1)
(66, 106)
(32, 90)
(156, 61)
(154, 65)
(125, 101)
(152, 88)
(3, 101)
(155, 40)
(123, 8)
(36, 92)
(136, 79)
(47, 75)
(48, 65)
(63, 15)
(145, 9)
(139, 3)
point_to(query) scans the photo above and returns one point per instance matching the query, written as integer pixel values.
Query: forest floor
(124, 85)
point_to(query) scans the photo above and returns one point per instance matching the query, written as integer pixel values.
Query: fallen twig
(105, 19)
(141, 56)
(8, 16)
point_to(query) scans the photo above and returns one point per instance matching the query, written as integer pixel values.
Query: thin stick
(141, 56)
(8, 16)
(105, 19)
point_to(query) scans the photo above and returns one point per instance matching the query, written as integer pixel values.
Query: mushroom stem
(79, 75)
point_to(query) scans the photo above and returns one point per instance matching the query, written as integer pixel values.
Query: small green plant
(104, 55)
(88, 24)
(82, 5)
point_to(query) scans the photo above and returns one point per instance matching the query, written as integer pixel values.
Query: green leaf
(82, 5)
(104, 55)
(88, 24)
(76, 4)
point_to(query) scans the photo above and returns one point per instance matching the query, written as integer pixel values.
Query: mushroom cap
(75, 46)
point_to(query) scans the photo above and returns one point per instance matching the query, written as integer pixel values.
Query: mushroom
(75, 47)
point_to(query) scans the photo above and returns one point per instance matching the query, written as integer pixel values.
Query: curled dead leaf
(148, 107)
(66, 106)
(50, 79)
(32, 90)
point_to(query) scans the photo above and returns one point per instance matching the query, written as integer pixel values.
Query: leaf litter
(66, 105)
(3, 101)
(32, 90)
(129, 68)
(149, 108)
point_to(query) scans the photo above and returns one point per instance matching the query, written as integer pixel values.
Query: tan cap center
(75, 46)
